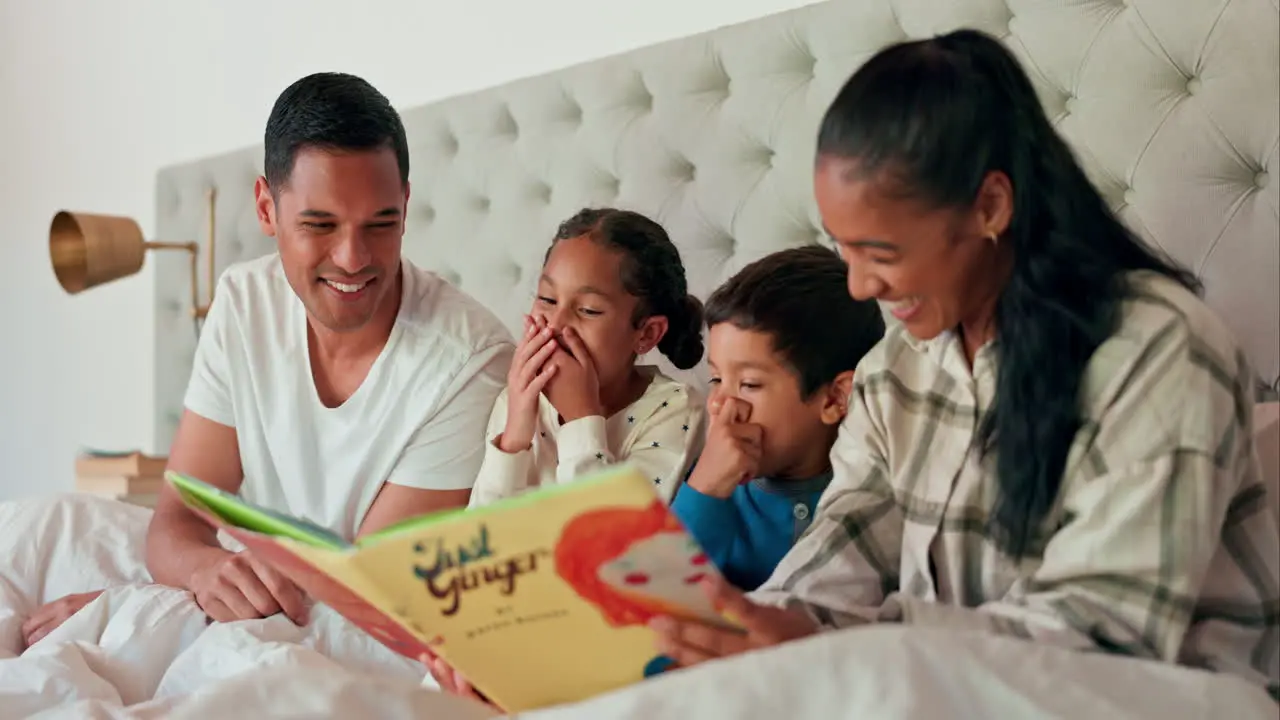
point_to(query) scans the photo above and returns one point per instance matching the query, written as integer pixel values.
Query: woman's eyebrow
(861, 242)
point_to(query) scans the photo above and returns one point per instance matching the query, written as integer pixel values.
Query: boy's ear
(836, 398)
(651, 332)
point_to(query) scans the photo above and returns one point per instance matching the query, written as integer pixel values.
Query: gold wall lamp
(89, 250)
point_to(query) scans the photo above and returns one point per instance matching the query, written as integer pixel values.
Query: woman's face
(933, 269)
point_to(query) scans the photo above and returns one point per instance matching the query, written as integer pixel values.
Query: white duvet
(142, 651)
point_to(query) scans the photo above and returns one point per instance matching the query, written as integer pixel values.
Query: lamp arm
(198, 310)
(151, 245)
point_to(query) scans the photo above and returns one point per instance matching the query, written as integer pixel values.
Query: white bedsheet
(140, 651)
(892, 673)
(138, 647)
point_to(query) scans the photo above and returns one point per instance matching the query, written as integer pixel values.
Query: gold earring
(993, 237)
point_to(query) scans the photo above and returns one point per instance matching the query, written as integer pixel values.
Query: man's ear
(404, 212)
(265, 204)
(835, 400)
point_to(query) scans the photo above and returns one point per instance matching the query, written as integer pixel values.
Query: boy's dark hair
(331, 111)
(800, 298)
(651, 270)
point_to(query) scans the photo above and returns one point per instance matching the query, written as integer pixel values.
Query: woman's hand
(451, 681)
(575, 390)
(529, 374)
(689, 642)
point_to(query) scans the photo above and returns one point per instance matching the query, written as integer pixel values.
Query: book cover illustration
(538, 599)
(633, 564)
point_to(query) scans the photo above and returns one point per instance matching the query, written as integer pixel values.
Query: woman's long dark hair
(934, 117)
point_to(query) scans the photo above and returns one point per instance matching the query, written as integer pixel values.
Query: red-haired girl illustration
(634, 564)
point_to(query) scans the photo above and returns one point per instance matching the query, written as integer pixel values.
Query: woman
(1055, 442)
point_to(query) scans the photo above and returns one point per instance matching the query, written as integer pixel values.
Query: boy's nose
(741, 408)
(717, 394)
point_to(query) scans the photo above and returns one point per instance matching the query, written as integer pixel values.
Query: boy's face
(797, 433)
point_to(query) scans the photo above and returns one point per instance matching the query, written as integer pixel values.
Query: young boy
(784, 337)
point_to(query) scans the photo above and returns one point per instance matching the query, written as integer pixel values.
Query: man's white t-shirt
(417, 420)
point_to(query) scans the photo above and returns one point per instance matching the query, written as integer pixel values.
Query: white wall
(96, 95)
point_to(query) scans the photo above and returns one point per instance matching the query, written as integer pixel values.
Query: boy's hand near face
(731, 455)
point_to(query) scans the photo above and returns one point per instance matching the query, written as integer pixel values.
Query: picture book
(537, 600)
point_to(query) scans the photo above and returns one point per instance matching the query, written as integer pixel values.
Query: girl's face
(933, 269)
(581, 287)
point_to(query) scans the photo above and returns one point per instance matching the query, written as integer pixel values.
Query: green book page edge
(527, 498)
(242, 514)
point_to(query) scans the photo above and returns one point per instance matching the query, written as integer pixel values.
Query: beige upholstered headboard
(1173, 105)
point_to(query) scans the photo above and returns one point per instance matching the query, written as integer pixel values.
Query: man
(333, 380)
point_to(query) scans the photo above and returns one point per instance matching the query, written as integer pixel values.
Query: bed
(1173, 105)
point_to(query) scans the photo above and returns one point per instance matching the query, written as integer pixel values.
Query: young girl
(612, 289)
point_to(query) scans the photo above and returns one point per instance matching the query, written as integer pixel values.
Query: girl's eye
(749, 386)
(714, 381)
(546, 300)
(590, 312)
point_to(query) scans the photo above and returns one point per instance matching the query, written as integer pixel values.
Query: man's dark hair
(800, 299)
(331, 111)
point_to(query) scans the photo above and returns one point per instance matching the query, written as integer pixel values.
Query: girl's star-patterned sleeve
(501, 474)
(663, 438)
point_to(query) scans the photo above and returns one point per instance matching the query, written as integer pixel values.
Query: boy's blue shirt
(747, 533)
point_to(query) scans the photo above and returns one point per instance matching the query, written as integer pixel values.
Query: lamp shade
(89, 250)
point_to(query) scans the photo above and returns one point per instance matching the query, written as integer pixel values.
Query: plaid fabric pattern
(1161, 545)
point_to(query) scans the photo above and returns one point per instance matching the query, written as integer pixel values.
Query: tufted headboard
(1173, 105)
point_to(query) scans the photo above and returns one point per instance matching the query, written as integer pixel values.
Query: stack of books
(130, 476)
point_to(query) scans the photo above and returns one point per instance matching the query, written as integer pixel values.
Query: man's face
(338, 223)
